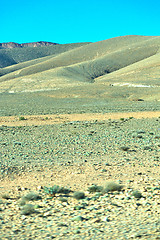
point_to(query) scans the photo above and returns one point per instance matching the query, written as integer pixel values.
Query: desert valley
(80, 139)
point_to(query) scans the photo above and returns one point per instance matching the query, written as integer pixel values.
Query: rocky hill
(21, 45)
(13, 53)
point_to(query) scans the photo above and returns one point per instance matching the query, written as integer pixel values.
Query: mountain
(15, 55)
(21, 45)
(129, 61)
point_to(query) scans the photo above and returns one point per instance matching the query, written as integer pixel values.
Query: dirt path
(61, 118)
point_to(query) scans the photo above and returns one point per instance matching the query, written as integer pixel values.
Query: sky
(73, 21)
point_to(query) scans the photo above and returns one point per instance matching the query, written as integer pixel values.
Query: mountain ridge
(10, 45)
(11, 56)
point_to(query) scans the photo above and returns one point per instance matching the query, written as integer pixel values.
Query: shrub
(95, 188)
(124, 148)
(62, 199)
(79, 195)
(137, 194)
(22, 203)
(111, 187)
(5, 196)
(32, 196)
(28, 209)
(21, 118)
(52, 191)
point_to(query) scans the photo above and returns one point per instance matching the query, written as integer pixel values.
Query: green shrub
(52, 191)
(21, 118)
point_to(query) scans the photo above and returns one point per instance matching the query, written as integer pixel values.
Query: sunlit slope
(85, 53)
(15, 67)
(98, 58)
(100, 62)
(145, 72)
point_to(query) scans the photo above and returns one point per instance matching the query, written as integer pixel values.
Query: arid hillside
(124, 63)
(14, 53)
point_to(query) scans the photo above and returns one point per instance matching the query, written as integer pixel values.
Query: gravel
(111, 215)
(115, 142)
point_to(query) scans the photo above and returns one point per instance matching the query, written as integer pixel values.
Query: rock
(124, 148)
(39, 187)
(137, 194)
(105, 219)
(103, 170)
(78, 207)
(77, 218)
(62, 225)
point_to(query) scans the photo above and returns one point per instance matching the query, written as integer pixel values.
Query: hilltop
(21, 45)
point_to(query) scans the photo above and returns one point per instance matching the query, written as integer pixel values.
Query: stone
(78, 218)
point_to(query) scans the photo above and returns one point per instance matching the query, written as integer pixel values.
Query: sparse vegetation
(77, 152)
(52, 191)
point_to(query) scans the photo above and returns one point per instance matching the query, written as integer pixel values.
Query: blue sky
(71, 21)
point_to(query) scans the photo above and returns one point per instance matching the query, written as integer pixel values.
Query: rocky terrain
(76, 155)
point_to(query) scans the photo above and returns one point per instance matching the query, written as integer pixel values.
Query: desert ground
(77, 151)
(80, 141)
